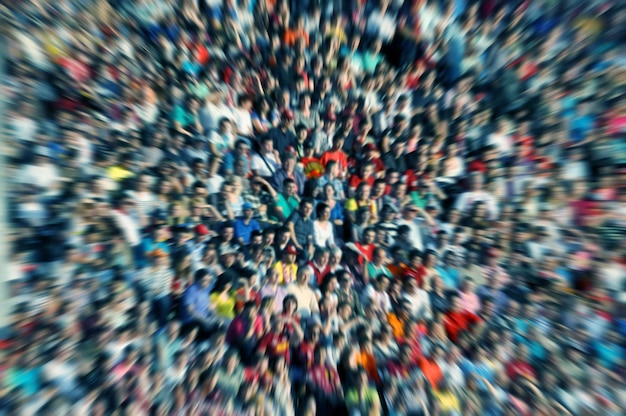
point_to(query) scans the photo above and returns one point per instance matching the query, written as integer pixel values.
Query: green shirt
(420, 201)
(288, 206)
(183, 117)
(370, 398)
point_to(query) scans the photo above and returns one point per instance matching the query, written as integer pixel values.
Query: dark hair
(321, 206)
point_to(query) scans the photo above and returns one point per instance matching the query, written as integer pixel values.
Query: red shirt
(355, 180)
(305, 354)
(367, 250)
(517, 368)
(338, 156)
(457, 322)
(417, 274)
(276, 345)
(325, 378)
(319, 274)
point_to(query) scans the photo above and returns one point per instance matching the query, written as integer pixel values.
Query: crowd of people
(342, 207)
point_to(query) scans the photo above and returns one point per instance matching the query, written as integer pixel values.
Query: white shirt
(243, 121)
(613, 276)
(24, 128)
(381, 25)
(420, 303)
(323, 236)
(415, 235)
(503, 142)
(129, 227)
(467, 199)
(258, 164)
(43, 176)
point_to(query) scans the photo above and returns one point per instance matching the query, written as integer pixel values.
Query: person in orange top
(400, 319)
(297, 32)
(431, 370)
(336, 154)
(398, 267)
(365, 358)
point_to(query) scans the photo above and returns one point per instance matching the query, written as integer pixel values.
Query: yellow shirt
(118, 173)
(448, 402)
(224, 307)
(287, 272)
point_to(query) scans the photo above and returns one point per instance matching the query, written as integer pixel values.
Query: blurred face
(325, 214)
(364, 192)
(289, 164)
(290, 189)
(307, 209)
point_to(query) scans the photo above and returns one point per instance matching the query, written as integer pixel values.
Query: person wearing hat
(244, 226)
(287, 266)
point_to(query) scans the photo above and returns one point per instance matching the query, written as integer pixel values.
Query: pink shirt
(470, 302)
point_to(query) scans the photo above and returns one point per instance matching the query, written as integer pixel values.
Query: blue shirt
(450, 277)
(243, 230)
(199, 299)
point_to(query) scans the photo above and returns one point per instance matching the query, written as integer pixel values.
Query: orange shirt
(431, 371)
(397, 326)
(368, 362)
(292, 34)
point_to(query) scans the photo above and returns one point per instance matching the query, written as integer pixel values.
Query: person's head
(379, 188)
(289, 187)
(338, 141)
(380, 255)
(202, 278)
(332, 169)
(289, 162)
(322, 211)
(363, 191)
(248, 211)
(321, 256)
(306, 208)
(290, 304)
(304, 275)
(290, 254)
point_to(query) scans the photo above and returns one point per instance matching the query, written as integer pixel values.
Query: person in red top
(319, 264)
(245, 330)
(373, 154)
(276, 342)
(366, 175)
(457, 320)
(324, 382)
(519, 366)
(258, 372)
(336, 154)
(403, 366)
(415, 268)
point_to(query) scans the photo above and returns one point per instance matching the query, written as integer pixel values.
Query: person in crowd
(422, 212)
